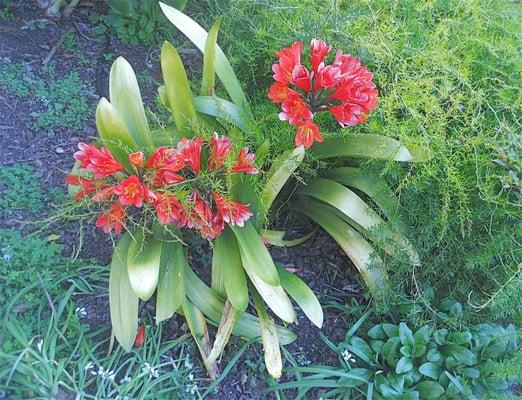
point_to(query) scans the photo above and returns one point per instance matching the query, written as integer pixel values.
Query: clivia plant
(152, 185)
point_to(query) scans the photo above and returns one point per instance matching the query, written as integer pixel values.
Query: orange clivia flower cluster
(344, 88)
(172, 181)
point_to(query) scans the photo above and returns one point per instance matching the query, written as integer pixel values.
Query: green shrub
(448, 74)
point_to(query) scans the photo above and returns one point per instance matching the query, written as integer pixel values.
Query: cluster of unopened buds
(172, 181)
(344, 88)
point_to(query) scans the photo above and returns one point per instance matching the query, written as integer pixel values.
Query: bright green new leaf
(177, 86)
(123, 302)
(198, 36)
(171, 282)
(208, 81)
(369, 264)
(114, 133)
(272, 352)
(219, 108)
(125, 96)
(303, 296)
(368, 146)
(226, 255)
(254, 254)
(143, 264)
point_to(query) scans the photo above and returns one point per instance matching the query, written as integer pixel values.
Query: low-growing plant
(19, 190)
(399, 361)
(62, 101)
(138, 21)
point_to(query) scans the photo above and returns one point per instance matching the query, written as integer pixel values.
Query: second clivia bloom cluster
(172, 180)
(344, 88)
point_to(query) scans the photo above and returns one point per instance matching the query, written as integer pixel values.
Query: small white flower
(188, 364)
(39, 345)
(191, 377)
(81, 311)
(347, 356)
(89, 366)
(151, 370)
(126, 379)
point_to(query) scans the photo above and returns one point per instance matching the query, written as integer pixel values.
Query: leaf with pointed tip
(143, 264)
(123, 302)
(197, 35)
(302, 295)
(125, 96)
(177, 86)
(171, 283)
(368, 146)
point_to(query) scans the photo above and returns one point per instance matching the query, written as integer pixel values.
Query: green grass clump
(46, 351)
(61, 100)
(449, 75)
(19, 190)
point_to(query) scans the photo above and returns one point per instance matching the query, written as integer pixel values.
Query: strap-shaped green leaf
(254, 254)
(281, 171)
(367, 262)
(368, 146)
(219, 108)
(171, 282)
(125, 96)
(275, 238)
(198, 328)
(272, 352)
(302, 295)
(212, 307)
(356, 212)
(123, 302)
(273, 295)
(227, 256)
(177, 86)
(197, 35)
(143, 264)
(114, 133)
(208, 80)
(373, 186)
